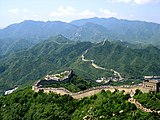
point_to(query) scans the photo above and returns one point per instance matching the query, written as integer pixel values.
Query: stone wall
(41, 83)
(38, 86)
(91, 91)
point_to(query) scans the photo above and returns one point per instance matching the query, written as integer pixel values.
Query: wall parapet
(63, 91)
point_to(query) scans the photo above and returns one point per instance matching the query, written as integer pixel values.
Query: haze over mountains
(28, 33)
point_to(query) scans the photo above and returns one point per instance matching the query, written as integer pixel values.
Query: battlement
(59, 77)
(52, 79)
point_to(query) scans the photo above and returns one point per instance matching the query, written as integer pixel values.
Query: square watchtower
(152, 83)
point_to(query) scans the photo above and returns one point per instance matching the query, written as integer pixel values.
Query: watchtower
(152, 83)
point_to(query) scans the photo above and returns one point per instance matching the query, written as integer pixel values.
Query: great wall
(99, 67)
(92, 91)
(49, 79)
(38, 86)
(67, 75)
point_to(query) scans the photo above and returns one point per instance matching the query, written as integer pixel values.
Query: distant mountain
(92, 32)
(36, 30)
(96, 20)
(130, 31)
(89, 29)
(28, 33)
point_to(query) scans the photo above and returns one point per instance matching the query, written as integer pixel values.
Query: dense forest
(25, 104)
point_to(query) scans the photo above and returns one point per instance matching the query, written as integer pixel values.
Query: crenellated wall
(41, 83)
(38, 86)
(91, 91)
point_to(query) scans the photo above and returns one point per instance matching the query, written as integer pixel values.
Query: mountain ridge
(93, 29)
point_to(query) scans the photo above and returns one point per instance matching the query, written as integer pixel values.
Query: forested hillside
(53, 54)
(59, 53)
(129, 61)
(28, 105)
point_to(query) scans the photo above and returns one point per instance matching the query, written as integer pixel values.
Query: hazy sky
(13, 11)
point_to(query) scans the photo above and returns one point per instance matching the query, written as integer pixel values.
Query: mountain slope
(28, 33)
(134, 31)
(8, 46)
(131, 31)
(59, 53)
(36, 30)
(50, 55)
(130, 62)
(92, 32)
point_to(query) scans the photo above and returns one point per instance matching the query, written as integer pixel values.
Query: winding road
(99, 67)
